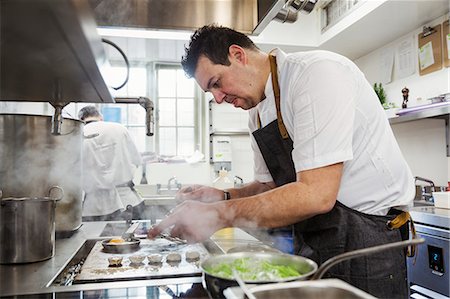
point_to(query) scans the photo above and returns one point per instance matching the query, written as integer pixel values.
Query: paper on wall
(387, 63)
(405, 58)
(448, 46)
(426, 57)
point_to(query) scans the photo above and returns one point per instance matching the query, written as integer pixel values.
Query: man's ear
(237, 53)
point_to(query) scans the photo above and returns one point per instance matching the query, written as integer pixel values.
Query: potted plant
(379, 90)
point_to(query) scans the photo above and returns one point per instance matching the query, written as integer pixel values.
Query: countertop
(35, 278)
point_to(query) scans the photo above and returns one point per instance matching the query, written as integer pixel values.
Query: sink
(151, 191)
(423, 203)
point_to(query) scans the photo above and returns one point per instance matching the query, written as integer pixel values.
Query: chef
(110, 159)
(326, 160)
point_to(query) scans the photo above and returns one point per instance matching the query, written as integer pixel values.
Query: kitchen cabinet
(368, 26)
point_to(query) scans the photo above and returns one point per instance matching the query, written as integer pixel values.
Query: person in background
(110, 159)
(325, 158)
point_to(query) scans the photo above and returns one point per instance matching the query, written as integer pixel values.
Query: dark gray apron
(340, 230)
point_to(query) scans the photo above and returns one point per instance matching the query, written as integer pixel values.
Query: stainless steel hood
(50, 52)
(247, 16)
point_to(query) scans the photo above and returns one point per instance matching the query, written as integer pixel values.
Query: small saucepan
(216, 282)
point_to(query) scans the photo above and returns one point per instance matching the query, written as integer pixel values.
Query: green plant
(379, 90)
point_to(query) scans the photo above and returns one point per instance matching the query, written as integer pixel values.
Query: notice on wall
(405, 58)
(387, 63)
(448, 46)
(426, 58)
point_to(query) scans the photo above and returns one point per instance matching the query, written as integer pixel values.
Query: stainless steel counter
(430, 215)
(35, 278)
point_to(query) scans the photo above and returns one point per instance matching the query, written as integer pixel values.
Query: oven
(428, 272)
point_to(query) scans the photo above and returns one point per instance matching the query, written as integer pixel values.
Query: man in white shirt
(110, 159)
(326, 160)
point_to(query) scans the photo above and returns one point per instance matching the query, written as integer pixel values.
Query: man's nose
(218, 96)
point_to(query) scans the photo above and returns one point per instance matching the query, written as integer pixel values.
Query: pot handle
(61, 193)
(360, 252)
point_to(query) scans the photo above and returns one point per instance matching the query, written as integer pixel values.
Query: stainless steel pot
(32, 160)
(27, 228)
(215, 285)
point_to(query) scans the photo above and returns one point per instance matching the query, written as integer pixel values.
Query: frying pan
(130, 245)
(215, 285)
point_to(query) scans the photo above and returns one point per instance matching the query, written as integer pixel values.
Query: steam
(32, 161)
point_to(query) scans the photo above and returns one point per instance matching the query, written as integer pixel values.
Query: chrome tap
(175, 182)
(424, 193)
(238, 181)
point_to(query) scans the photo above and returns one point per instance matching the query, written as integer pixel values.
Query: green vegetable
(253, 270)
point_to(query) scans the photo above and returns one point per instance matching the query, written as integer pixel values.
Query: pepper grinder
(405, 92)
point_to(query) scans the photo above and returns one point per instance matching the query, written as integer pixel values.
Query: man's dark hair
(88, 111)
(213, 41)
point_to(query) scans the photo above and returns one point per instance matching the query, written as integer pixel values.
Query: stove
(428, 272)
(90, 264)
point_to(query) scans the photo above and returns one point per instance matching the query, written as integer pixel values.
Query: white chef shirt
(110, 158)
(333, 115)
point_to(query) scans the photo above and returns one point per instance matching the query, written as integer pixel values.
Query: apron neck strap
(276, 93)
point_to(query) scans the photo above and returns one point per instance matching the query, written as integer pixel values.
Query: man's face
(232, 84)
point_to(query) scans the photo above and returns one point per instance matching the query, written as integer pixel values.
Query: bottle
(223, 181)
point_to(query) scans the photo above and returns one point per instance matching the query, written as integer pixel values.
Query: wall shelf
(440, 112)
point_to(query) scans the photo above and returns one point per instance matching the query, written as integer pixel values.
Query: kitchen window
(177, 106)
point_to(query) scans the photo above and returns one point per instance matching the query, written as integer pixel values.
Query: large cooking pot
(32, 160)
(27, 227)
(307, 268)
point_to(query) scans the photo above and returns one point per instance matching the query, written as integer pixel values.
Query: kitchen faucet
(172, 184)
(238, 181)
(169, 183)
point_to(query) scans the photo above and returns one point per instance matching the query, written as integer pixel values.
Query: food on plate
(154, 258)
(173, 257)
(253, 270)
(116, 241)
(192, 255)
(136, 259)
(115, 261)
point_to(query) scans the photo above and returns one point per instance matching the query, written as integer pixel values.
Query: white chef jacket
(333, 115)
(110, 158)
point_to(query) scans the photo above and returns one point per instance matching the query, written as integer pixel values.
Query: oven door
(430, 269)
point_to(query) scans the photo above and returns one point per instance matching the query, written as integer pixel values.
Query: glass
(185, 85)
(167, 112)
(138, 136)
(185, 112)
(186, 141)
(137, 83)
(166, 82)
(167, 141)
(136, 115)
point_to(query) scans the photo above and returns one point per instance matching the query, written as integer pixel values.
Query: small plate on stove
(120, 246)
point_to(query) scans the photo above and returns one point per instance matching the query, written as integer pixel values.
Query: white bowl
(441, 200)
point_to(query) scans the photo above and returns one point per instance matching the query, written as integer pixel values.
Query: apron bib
(340, 230)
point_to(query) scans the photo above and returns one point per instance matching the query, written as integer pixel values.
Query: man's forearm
(250, 189)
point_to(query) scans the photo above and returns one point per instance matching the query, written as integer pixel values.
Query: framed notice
(446, 43)
(430, 50)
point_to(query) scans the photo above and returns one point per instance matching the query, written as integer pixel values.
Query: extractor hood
(247, 16)
(50, 52)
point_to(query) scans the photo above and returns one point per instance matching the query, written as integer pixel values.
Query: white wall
(422, 142)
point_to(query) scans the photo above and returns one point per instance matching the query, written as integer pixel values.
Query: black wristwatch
(226, 195)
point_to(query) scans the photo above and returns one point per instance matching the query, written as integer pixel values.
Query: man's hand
(199, 193)
(192, 221)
